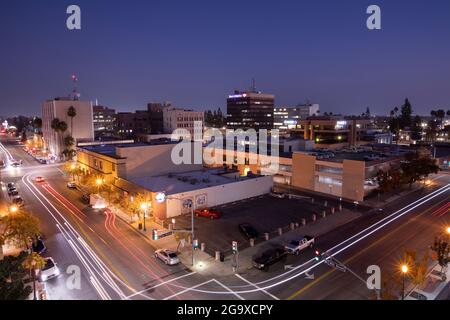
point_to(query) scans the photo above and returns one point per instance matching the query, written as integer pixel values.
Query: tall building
(82, 130)
(289, 117)
(131, 123)
(247, 110)
(155, 111)
(175, 118)
(104, 120)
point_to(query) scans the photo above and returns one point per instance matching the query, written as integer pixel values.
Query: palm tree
(71, 112)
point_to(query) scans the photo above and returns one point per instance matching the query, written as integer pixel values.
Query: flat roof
(110, 149)
(188, 181)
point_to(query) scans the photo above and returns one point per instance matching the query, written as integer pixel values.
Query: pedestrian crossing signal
(155, 234)
(317, 254)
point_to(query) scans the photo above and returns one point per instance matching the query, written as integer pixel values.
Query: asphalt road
(117, 263)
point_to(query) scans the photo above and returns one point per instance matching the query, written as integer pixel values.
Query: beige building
(182, 119)
(83, 128)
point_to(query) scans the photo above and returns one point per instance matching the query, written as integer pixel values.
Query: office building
(247, 110)
(104, 120)
(82, 130)
(156, 115)
(175, 118)
(285, 118)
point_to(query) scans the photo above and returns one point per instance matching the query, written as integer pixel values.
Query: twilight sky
(195, 52)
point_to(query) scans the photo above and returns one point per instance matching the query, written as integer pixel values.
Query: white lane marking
(254, 285)
(227, 288)
(188, 289)
(161, 284)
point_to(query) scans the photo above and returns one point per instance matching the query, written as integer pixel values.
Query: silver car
(169, 257)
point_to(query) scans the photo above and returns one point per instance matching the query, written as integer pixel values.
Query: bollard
(303, 222)
(325, 203)
(324, 214)
(203, 246)
(280, 231)
(332, 210)
(252, 242)
(266, 236)
(292, 225)
(314, 217)
(217, 255)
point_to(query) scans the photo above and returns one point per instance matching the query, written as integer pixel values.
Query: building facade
(104, 120)
(175, 118)
(156, 115)
(285, 118)
(250, 110)
(335, 132)
(83, 128)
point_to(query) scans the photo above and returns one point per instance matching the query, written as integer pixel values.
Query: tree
(388, 180)
(71, 112)
(394, 124)
(415, 168)
(417, 267)
(12, 274)
(32, 263)
(20, 229)
(441, 250)
(405, 115)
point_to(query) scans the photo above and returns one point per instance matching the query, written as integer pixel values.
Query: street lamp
(448, 230)
(13, 209)
(145, 206)
(98, 182)
(404, 270)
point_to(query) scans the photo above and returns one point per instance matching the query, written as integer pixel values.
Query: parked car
(39, 179)
(269, 257)
(297, 245)
(71, 185)
(169, 257)
(15, 164)
(18, 201)
(248, 231)
(10, 185)
(13, 192)
(277, 195)
(39, 246)
(49, 271)
(208, 213)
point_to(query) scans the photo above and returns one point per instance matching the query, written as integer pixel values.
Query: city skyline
(194, 56)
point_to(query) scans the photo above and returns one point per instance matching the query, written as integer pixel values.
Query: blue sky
(194, 53)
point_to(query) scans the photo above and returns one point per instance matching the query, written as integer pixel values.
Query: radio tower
(75, 94)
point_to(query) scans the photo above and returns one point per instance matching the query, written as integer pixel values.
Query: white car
(297, 245)
(49, 271)
(71, 185)
(169, 257)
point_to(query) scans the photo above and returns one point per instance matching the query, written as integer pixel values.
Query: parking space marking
(254, 285)
(224, 286)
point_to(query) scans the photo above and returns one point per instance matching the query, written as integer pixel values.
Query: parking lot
(264, 213)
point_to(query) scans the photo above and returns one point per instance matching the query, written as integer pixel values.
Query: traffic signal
(234, 246)
(317, 254)
(155, 234)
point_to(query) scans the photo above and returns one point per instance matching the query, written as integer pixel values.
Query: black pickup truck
(269, 257)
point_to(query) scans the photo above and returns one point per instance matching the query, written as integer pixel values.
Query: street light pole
(192, 233)
(145, 216)
(404, 272)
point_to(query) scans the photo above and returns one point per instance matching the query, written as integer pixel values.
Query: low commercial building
(335, 132)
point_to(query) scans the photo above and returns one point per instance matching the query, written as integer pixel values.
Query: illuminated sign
(236, 96)
(160, 197)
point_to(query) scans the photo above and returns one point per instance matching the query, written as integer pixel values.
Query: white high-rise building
(83, 127)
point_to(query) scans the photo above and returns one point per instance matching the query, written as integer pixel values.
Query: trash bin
(140, 226)
(222, 257)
